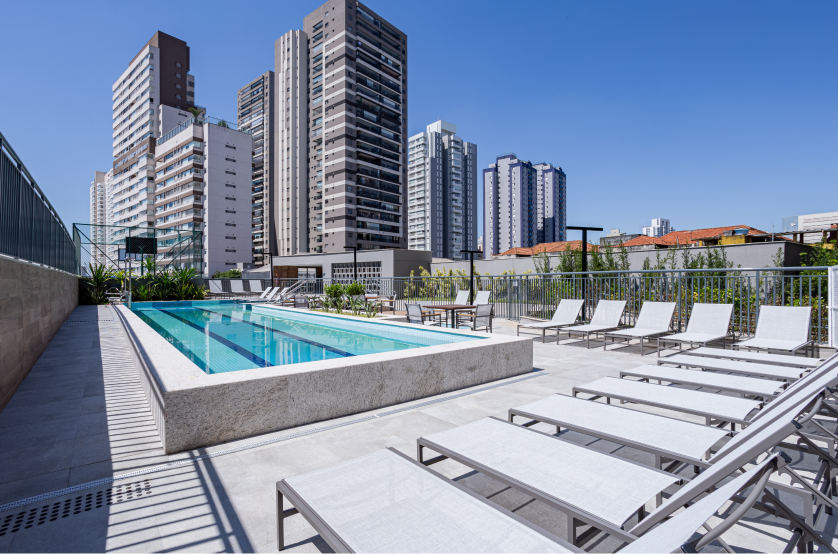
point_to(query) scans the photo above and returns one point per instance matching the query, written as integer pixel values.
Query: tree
(541, 261)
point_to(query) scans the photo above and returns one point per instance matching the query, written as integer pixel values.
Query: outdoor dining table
(451, 309)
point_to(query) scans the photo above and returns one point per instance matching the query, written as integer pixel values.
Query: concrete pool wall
(194, 409)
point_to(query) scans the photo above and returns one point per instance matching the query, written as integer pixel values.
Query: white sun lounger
(573, 480)
(708, 323)
(482, 297)
(767, 371)
(654, 320)
(671, 439)
(767, 389)
(597, 489)
(256, 286)
(757, 357)
(783, 329)
(267, 296)
(712, 407)
(607, 317)
(215, 288)
(566, 314)
(386, 502)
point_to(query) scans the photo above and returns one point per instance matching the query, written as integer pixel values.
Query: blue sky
(706, 113)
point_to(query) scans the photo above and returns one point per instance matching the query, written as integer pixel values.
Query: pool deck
(81, 416)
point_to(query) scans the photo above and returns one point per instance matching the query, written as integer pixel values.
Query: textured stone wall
(34, 302)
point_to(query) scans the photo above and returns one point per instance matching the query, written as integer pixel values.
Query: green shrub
(355, 289)
(230, 274)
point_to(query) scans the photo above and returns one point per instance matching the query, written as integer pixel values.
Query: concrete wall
(753, 255)
(34, 302)
(397, 262)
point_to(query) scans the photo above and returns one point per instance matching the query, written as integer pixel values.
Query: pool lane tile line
(249, 446)
(240, 350)
(316, 344)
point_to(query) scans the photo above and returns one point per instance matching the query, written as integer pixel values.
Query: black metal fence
(517, 296)
(30, 227)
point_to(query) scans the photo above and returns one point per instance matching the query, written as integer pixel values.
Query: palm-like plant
(99, 276)
(150, 265)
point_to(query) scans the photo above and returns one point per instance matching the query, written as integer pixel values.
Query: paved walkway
(80, 415)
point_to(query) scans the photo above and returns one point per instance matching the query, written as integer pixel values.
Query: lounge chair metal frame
(581, 331)
(300, 506)
(770, 312)
(697, 328)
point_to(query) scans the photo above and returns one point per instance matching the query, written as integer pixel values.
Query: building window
(178, 64)
(178, 96)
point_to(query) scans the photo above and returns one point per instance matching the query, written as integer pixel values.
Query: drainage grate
(13, 523)
(86, 320)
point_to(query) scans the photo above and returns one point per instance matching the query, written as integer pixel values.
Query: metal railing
(538, 295)
(30, 227)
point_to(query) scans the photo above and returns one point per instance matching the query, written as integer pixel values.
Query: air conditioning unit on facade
(833, 306)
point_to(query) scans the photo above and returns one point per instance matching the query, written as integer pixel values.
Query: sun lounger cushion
(693, 337)
(383, 502)
(635, 332)
(772, 344)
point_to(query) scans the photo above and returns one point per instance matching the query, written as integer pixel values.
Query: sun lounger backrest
(568, 310)
(784, 323)
(282, 293)
(482, 297)
(462, 297)
(608, 313)
(670, 535)
(236, 286)
(710, 319)
(215, 287)
(794, 405)
(746, 451)
(272, 293)
(801, 386)
(255, 285)
(655, 315)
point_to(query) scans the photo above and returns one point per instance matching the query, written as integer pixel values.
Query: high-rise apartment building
(442, 192)
(204, 182)
(256, 106)
(149, 98)
(658, 228)
(523, 204)
(342, 120)
(98, 217)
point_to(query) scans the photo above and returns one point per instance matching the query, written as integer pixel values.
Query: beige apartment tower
(342, 121)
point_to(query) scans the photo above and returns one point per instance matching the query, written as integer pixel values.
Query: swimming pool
(224, 336)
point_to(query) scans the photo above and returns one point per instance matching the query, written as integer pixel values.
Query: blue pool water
(221, 336)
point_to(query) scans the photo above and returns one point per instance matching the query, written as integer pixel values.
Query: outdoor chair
(237, 287)
(387, 302)
(783, 329)
(566, 314)
(482, 297)
(481, 318)
(708, 323)
(256, 286)
(601, 490)
(715, 408)
(215, 288)
(606, 318)
(653, 321)
(418, 510)
(756, 357)
(416, 314)
(767, 371)
(430, 513)
(301, 302)
(679, 442)
(267, 296)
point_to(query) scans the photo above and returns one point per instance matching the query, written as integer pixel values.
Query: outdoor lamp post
(471, 254)
(354, 262)
(584, 259)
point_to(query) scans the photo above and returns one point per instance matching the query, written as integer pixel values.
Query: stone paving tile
(32, 486)
(54, 394)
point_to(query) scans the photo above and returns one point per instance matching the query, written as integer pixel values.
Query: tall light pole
(354, 261)
(471, 254)
(584, 258)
